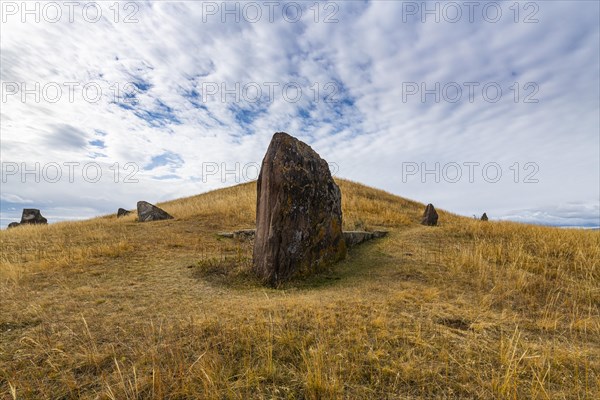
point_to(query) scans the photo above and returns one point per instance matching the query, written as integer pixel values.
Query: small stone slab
(354, 238)
(244, 234)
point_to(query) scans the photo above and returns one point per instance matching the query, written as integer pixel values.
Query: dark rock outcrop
(121, 212)
(149, 212)
(32, 216)
(430, 216)
(298, 213)
(13, 225)
(484, 217)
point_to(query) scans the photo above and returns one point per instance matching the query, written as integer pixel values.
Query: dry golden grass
(113, 309)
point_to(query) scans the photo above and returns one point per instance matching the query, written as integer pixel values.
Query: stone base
(352, 238)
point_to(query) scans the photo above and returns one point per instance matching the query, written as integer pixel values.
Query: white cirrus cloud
(144, 103)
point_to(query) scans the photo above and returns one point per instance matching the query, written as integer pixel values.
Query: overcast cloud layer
(143, 87)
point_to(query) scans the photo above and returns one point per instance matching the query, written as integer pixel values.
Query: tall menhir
(298, 213)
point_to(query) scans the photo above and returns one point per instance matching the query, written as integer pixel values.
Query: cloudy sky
(476, 107)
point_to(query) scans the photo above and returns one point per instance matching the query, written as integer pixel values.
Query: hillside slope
(113, 309)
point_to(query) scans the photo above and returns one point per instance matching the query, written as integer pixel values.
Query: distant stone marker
(430, 216)
(149, 212)
(121, 212)
(484, 217)
(298, 213)
(32, 216)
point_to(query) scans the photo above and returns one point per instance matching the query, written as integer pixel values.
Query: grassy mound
(113, 309)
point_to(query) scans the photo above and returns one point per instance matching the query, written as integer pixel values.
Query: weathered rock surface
(121, 212)
(430, 216)
(354, 238)
(13, 225)
(484, 217)
(32, 216)
(298, 213)
(149, 212)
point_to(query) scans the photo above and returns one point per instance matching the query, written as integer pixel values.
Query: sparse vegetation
(112, 309)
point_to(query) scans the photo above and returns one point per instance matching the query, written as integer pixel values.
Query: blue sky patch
(97, 143)
(167, 158)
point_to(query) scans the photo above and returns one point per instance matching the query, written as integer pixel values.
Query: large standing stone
(32, 216)
(298, 213)
(430, 216)
(484, 217)
(149, 212)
